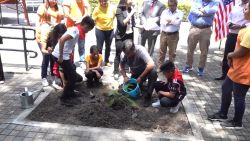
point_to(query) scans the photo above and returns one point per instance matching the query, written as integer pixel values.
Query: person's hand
(86, 71)
(230, 59)
(49, 50)
(139, 80)
(126, 79)
(60, 60)
(235, 26)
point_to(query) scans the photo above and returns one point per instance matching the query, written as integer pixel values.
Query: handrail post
(25, 49)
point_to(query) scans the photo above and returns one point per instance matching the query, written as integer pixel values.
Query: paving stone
(18, 139)
(14, 133)
(40, 135)
(11, 126)
(23, 133)
(83, 138)
(19, 127)
(6, 132)
(28, 139)
(31, 134)
(2, 137)
(53, 137)
(9, 138)
(3, 126)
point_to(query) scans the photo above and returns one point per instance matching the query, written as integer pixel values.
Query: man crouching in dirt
(62, 53)
(141, 66)
(170, 93)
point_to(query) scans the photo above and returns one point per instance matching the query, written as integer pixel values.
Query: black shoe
(147, 102)
(217, 117)
(66, 102)
(231, 124)
(75, 94)
(220, 78)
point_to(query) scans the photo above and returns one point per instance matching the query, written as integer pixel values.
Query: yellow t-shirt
(240, 72)
(76, 10)
(50, 16)
(104, 17)
(93, 63)
(42, 33)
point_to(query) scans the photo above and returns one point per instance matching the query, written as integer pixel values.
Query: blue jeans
(107, 37)
(239, 91)
(47, 60)
(81, 49)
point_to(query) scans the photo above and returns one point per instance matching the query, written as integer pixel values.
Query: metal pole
(1, 14)
(17, 14)
(25, 49)
(219, 44)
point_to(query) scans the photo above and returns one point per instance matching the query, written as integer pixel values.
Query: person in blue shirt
(201, 18)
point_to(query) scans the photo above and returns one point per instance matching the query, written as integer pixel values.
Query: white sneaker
(116, 76)
(156, 104)
(55, 85)
(176, 108)
(45, 82)
(1, 82)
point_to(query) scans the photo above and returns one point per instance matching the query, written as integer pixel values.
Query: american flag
(221, 18)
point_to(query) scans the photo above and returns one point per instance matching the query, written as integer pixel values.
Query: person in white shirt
(150, 21)
(236, 22)
(170, 24)
(62, 53)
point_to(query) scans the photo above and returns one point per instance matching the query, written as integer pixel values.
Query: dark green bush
(185, 8)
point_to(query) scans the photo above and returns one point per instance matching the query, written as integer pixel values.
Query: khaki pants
(170, 42)
(203, 37)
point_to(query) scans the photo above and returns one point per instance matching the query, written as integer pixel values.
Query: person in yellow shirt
(93, 65)
(49, 14)
(104, 16)
(75, 10)
(237, 82)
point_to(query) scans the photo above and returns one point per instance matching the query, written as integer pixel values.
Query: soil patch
(97, 108)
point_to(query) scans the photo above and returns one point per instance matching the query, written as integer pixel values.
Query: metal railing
(24, 38)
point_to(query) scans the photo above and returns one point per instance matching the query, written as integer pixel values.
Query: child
(93, 65)
(170, 92)
(62, 55)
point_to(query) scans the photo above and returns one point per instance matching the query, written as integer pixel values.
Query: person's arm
(238, 53)
(148, 69)
(62, 41)
(87, 8)
(210, 10)
(122, 68)
(98, 65)
(166, 94)
(163, 19)
(95, 14)
(178, 20)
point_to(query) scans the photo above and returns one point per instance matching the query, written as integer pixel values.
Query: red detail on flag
(221, 19)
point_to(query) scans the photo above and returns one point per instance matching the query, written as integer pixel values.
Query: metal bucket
(26, 99)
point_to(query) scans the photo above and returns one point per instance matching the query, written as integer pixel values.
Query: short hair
(128, 45)
(167, 66)
(173, 1)
(93, 49)
(88, 21)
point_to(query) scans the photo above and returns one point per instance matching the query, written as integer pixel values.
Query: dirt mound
(97, 107)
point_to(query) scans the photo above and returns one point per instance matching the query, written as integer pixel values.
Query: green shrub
(94, 3)
(185, 8)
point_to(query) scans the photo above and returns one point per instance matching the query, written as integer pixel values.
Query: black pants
(71, 77)
(92, 75)
(151, 36)
(229, 47)
(152, 77)
(1, 70)
(107, 37)
(165, 101)
(119, 46)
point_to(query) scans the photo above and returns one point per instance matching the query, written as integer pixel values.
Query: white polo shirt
(69, 44)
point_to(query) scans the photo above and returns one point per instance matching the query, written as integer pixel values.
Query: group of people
(57, 43)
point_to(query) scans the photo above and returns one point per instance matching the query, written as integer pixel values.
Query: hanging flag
(221, 18)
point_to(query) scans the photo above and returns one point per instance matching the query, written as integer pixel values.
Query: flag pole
(219, 44)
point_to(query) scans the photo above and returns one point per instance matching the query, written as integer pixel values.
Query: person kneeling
(171, 92)
(93, 66)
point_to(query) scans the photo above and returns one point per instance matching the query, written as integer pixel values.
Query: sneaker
(116, 76)
(2, 82)
(55, 85)
(231, 124)
(217, 117)
(45, 82)
(186, 69)
(108, 64)
(156, 104)
(200, 71)
(175, 109)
